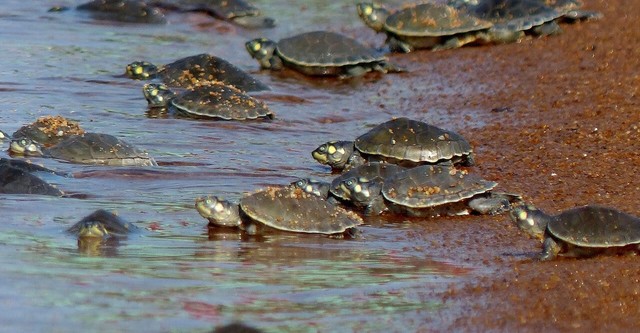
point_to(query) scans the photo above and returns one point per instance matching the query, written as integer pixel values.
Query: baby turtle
(423, 26)
(89, 148)
(191, 71)
(102, 224)
(427, 191)
(512, 19)
(239, 12)
(49, 130)
(579, 232)
(211, 101)
(319, 53)
(16, 177)
(335, 193)
(401, 141)
(132, 11)
(280, 208)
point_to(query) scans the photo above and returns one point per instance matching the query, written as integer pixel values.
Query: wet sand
(563, 119)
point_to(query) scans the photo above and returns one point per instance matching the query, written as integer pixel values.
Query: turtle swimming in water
(401, 141)
(423, 26)
(513, 19)
(131, 11)
(319, 53)
(195, 70)
(239, 12)
(211, 101)
(48, 130)
(89, 148)
(17, 177)
(100, 233)
(428, 191)
(580, 232)
(279, 208)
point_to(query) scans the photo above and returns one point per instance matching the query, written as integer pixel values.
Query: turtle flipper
(550, 249)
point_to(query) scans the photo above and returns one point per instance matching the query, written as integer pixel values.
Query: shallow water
(176, 276)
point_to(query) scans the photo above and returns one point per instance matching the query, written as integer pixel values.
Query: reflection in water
(98, 247)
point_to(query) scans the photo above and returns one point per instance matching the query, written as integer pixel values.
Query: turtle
(512, 19)
(283, 208)
(335, 193)
(16, 177)
(102, 224)
(193, 70)
(212, 101)
(579, 232)
(239, 12)
(428, 191)
(89, 148)
(131, 11)
(402, 141)
(49, 130)
(319, 53)
(423, 26)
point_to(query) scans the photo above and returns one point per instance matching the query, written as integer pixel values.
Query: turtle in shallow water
(512, 19)
(211, 101)
(239, 12)
(280, 208)
(89, 148)
(428, 191)
(194, 70)
(319, 53)
(402, 141)
(102, 224)
(423, 26)
(48, 130)
(16, 177)
(132, 11)
(579, 232)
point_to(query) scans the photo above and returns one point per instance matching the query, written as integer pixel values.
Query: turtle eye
(322, 148)
(300, 183)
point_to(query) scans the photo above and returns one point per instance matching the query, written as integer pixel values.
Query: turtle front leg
(397, 45)
(550, 250)
(548, 29)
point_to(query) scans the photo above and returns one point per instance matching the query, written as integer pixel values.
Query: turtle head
(158, 95)
(336, 154)
(25, 146)
(317, 188)
(263, 49)
(530, 220)
(361, 190)
(141, 70)
(219, 212)
(92, 229)
(374, 16)
(4, 136)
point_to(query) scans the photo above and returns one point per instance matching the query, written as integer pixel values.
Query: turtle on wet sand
(102, 224)
(49, 130)
(239, 12)
(401, 141)
(580, 232)
(194, 70)
(423, 26)
(428, 191)
(513, 19)
(211, 101)
(131, 11)
(89, 148)
(280, 208)
(319, 53)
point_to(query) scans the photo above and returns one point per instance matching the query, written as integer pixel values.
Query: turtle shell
(194, 70)
(410, 140)
(516, 15)
(596, 227)
(433, 185)
(291, 209)
(96, 148)
(16, 180)
(371, 171)
(49, 130)
(325, 49)
(217, 100)
(133, 11)
(432, 20)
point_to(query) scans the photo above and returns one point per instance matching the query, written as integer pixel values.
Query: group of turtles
(402, 166)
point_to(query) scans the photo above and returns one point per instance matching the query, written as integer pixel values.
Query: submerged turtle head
(374, 16)
(530, 220)
(102, 224)
(157, 94)
(219, 212)
(92, 229)
(262, 49)
(336, 154)
(141, 70)
(25, 146)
